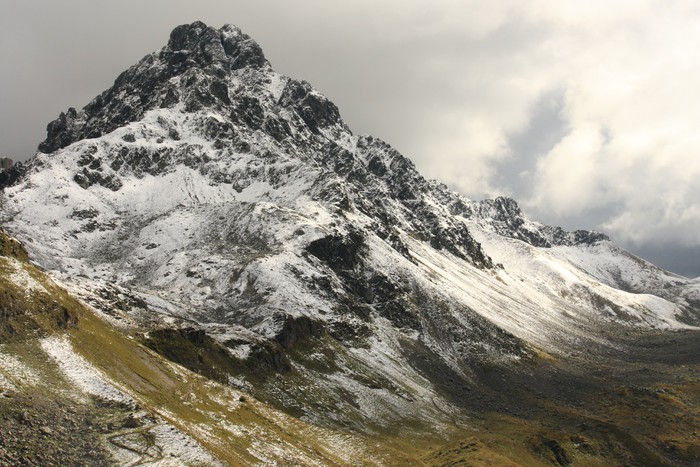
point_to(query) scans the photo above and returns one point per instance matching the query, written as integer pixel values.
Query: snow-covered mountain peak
(205, 189)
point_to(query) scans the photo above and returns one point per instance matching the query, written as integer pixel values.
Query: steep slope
(75, 390)
(227, 217)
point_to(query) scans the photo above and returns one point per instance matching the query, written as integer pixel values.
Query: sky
(587, 113)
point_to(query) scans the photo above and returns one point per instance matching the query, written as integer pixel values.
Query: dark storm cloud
(680, 259)
(545, 129)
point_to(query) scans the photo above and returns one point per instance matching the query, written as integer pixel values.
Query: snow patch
(14, 373)
(177, 445)
(83, 374)
(277, 84)
(22, 279)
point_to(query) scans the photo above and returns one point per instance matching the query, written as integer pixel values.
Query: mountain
(225, 217)
(74, 390)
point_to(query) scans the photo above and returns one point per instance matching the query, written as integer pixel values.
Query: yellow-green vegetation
(585, 438)
(11, 247)
(31, 304)
(236, 428)
(639, 423)
(43, 419)
(213, 414)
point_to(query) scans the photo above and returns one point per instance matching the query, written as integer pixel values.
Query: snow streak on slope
(168, 442)
(81, 373)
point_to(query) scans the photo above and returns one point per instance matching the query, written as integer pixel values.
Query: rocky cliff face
(205, 192)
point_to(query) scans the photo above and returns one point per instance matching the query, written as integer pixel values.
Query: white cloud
(628, 71)
(567, 178)
(467, 148)
(634, 79)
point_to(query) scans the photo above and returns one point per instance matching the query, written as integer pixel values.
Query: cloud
(624, 152)
(631, 108)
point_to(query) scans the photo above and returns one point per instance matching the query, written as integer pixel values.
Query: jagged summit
(225, 49)
(192, 49)
(224, 72)
(505, 216)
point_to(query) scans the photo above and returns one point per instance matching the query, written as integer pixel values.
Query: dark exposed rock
(194, 349)
(390, 301)
(351, 333)
(121, 299)
(88, 178)
(249, 112)
(219, 89)
(296, 329)
(84, 213)
(376, 166)
(691, 313)
(171, 97)
(11, 176)
(456, 239)
(559, 453)
(398, 245)
(338, 251)
(139, 161)
(314, 109)
(196, 336)
(400, 182)
(65, 319)
(266, 358)
(508, 220)
(131, 422)
(588, 237)
(277, 128)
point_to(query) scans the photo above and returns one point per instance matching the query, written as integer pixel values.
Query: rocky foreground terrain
(205, 265)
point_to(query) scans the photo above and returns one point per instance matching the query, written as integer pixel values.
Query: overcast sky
(586, 112)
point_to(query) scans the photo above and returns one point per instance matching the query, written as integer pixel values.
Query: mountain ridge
(207, 202)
